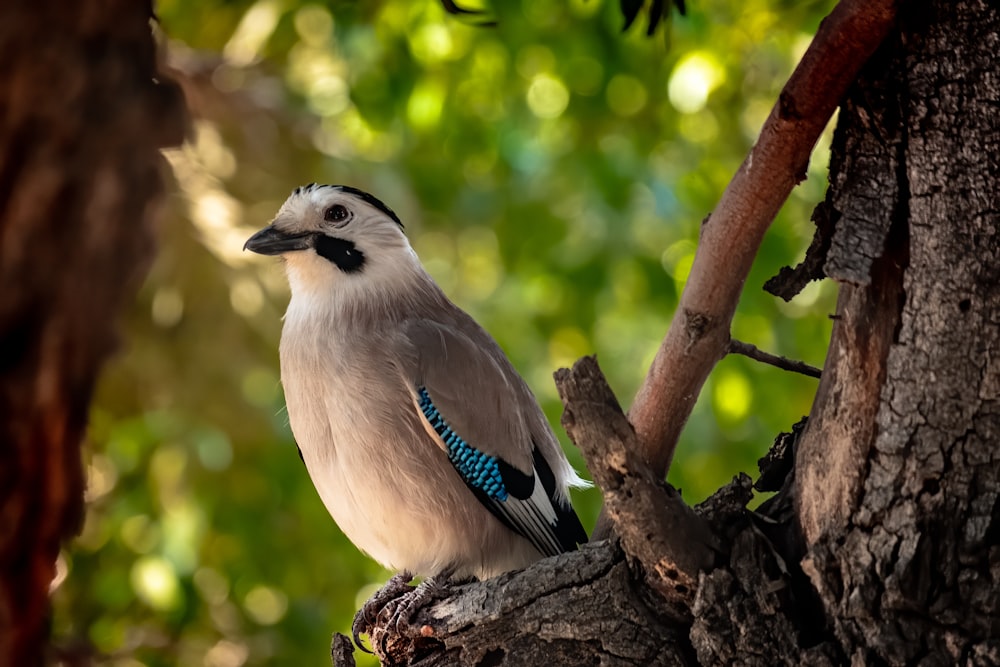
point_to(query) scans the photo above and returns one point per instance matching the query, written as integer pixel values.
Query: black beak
(272, 241)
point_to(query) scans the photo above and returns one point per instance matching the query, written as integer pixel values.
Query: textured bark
(671, 543)
(596, 607)
(910, 572)
(882, 546)
(513, 620)
(842, 426)
(80, 123)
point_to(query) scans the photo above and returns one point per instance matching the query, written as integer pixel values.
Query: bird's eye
(337, 213)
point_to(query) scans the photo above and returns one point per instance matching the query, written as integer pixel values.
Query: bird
(426, 446)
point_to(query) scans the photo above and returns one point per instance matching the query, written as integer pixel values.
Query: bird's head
(325, 232)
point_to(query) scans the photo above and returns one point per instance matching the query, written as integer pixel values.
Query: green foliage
(552, 174)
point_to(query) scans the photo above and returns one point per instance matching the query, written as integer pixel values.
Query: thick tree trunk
(905, 553)
(883, 545)
(81, 118)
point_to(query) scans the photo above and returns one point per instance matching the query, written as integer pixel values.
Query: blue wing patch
(479, 470)
(525, 503)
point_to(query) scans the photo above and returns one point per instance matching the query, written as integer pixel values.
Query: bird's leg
(398, 585)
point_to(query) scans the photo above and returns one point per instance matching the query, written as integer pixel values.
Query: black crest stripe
(360, 194)
(371, 199)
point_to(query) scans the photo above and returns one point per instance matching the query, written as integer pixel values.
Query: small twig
(755, 353)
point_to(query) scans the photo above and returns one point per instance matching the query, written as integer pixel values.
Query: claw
(406, 607)
(360, 625)
(398, 585)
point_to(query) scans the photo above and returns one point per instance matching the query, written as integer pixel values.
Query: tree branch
(656, 527)
(573, 609)
(755, 353)
(342, 651)
(699, 334)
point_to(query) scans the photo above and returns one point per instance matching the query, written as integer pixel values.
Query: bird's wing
(483, 416)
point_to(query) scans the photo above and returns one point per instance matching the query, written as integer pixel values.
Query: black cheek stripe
(341, 252)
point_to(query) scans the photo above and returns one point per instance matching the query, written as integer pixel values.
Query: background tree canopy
(552, 174)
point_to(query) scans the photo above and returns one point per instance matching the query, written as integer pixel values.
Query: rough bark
(81, 118)
(513, 623)
(882, 546)
(671, 543)
(909, 568)
(596, 607)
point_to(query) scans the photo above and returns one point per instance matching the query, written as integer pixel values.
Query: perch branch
(757, 354)
(656, 527)
(574, 609)
(699, 334)
(342, 651)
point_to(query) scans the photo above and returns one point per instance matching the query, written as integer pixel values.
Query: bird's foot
(402, 610)
(397, 586)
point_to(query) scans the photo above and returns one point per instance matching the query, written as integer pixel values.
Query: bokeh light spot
(246, 296)
(212, 586)
(566, 346)
(211, 151)
(432, 43)
(626, 95)
(167, 465)
(155, 582)
(167, 308)
(678, 258)
(584, 8)
(693, 80)
(96, 531)
(125, 449)
(437, 253)
(252, 33)
(699, 128)
(214, 450)
(140, 534)
(314, 24)
(183, 527)
(732, 395)
(805, 302)
(547, 96)
(329, 95)
(226, 653)
(479, 261)
(423, 109)
(102, 475)
(753, 115)
(265, 605)
(107, 633)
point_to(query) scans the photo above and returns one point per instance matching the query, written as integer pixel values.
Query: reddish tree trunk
(81, 119)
